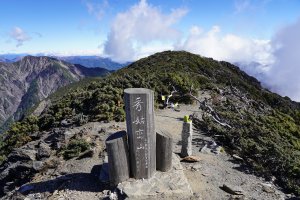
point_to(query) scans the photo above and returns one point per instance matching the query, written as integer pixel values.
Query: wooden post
(139, 107)
(187, 133)
(164, 149)
(118, 157)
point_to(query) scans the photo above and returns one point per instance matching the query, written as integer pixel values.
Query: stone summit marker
(139, 107)
(145, 145)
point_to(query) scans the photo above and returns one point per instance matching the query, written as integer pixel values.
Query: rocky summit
(245, 141)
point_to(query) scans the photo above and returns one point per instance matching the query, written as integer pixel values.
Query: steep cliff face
(31, 79)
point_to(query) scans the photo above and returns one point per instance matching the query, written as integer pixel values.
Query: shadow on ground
(77, 181)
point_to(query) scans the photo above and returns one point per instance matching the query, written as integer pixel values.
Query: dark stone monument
(118, 157)
(139, 107)
(164, 151)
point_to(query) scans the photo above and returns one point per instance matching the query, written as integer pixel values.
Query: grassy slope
(267, 134)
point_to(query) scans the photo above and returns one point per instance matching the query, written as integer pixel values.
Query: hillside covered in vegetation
(31, 79)
(263, 128)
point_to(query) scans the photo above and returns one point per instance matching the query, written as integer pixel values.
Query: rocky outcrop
(31, 79)
(18, 169)
(44, 156)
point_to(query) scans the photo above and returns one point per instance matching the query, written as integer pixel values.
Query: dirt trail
(79, 179)
(214, 170)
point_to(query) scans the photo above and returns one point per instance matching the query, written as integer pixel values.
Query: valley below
(26, 82)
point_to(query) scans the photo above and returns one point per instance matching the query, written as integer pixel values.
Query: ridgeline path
(207, 176)
(79, 178)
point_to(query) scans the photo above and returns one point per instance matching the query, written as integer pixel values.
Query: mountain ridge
(86, 61)
(40, 76)
(93, 61)
(264, 128)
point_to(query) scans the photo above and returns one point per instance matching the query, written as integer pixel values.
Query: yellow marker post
(186, 118)
(163, 98)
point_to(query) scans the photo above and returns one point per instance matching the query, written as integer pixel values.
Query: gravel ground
(207, 176)
(79, 179)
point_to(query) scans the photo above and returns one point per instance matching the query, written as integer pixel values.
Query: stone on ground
(167, 184)
(187, 135)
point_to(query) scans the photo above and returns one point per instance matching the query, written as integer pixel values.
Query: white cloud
(83, 52)
(227, 47)
(275, 62)
(254, 6)
(139, 26)
(97, 10)
(19, 35)
(241, 5)
(144, 29)
(283, 76)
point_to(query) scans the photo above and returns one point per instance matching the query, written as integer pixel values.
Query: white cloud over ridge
(141, 25)
(227, 47)
(19, 35)
(283, 76)
(144, 29)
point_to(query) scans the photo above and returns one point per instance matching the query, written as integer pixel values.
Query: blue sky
(263, 31)
(83, 26)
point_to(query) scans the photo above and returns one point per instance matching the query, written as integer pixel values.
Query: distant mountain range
(93, 61)
(31, 79)
(11, 57)
(87, 61)
(3, 60)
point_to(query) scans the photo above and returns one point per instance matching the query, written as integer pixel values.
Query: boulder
(234, 190)
(21, 154)
(38, 165)
(56, 138)
(268, 188)
(44, 151)
(15, 174)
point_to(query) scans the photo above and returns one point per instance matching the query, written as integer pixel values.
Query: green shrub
(18, 135)
(74, 148)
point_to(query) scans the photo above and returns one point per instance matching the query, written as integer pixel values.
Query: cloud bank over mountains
(228, 47)
(144, 29)
(140, 26)
(283, 76)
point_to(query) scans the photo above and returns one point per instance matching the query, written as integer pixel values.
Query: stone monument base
(162, 185)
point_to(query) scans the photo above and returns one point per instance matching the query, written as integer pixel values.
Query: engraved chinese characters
(141, 133)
